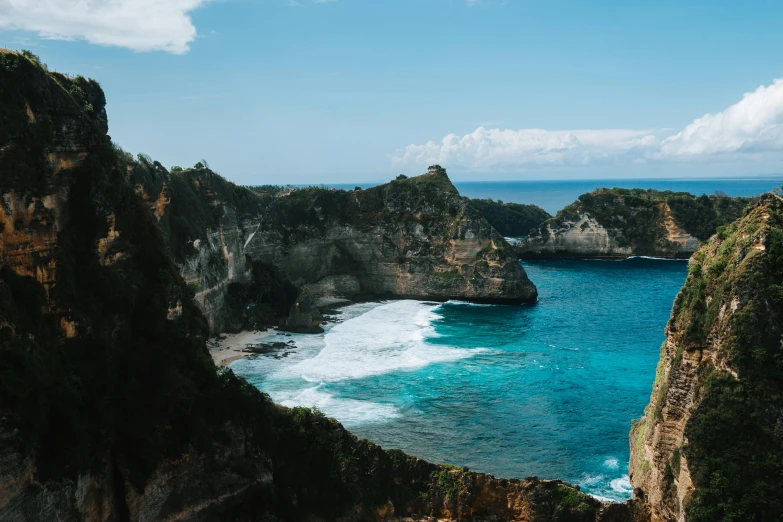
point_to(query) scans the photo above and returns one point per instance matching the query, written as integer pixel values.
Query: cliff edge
(411, 238)
(710, 444)
(618, 223)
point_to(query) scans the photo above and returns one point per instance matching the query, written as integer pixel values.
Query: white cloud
(140, 25)
(754, 124)
(752, 127)
(488, 148)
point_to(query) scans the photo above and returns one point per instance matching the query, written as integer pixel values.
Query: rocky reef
(618, 223)
(411, 238)
(710, 444)
(110, 406)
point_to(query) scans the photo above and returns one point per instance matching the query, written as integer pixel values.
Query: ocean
(552, 195)
(547, 390)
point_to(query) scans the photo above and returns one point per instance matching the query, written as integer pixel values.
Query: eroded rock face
(709, 446)
(618, 223)
(414, 238)
(579, 232)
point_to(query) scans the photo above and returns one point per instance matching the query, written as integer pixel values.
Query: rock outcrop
(411, 238)
(619, 223)
(710, 444)
(110, 406)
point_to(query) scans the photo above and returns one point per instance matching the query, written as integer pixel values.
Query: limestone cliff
(412, 238)
(111, 408)
(710, 444)
(619, 223)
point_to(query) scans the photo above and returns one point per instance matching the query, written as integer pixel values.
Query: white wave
(605, 488)
(468, 303)
(350, 412)
(655, 258)
(591, 479)
(387, 338)
(602, 499)
(612, 463)
(622, 485)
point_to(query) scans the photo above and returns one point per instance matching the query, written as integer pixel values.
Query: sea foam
(388, 338)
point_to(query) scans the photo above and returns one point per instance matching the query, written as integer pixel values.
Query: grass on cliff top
(638, 214)
(735, 449)
(511, 219)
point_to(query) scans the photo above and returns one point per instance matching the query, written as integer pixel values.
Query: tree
(176, 168)
(198, 166)
(401, 177)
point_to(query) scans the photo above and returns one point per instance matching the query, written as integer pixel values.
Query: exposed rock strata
(619, 223)
(710, 445)
(414, 238)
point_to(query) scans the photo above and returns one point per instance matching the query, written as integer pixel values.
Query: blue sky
(352, 90)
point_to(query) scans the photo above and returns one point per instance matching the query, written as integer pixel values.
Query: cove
(544, 390)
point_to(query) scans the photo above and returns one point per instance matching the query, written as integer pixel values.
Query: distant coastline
(553, 195)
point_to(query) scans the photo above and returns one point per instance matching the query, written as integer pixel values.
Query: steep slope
(617, 223)
(511, 219)
(710, 445)
(110, 407)
(413, 238)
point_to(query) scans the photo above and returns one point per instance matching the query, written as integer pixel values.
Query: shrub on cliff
(511, 219)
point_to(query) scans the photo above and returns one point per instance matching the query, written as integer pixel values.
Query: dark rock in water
(304, 316)
(268, 347)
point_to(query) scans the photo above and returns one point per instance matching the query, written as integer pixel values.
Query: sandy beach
(231, 347)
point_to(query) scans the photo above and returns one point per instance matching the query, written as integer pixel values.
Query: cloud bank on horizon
(751, 128)
(139, 25)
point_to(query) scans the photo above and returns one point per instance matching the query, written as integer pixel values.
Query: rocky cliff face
(619, 223)
(710, 445)
(413, 238)
(110, 407)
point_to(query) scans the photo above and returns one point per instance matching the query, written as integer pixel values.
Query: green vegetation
(637, 216)
(511, 219)
(263, 302)
(187, 199)
(448, 274)
(735, 453)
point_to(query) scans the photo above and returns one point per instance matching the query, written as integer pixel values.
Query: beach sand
(231, 347)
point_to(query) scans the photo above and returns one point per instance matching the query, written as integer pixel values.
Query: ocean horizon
(553, 195)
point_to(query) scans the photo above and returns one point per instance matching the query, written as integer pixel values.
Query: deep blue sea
(552, 195)
(548, 389)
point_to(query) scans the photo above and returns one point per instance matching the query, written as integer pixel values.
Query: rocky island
(618, 223)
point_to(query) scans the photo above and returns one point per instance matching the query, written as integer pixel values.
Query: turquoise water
(546, 389)
(552, 195)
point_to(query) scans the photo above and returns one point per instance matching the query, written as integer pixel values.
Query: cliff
(511, 219)
(413, 238)
(618, 223)
(110, 406)
(710, 444)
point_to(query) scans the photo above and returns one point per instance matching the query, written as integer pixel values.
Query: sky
(343, 91)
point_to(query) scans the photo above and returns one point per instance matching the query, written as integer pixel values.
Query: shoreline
(231, 347)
